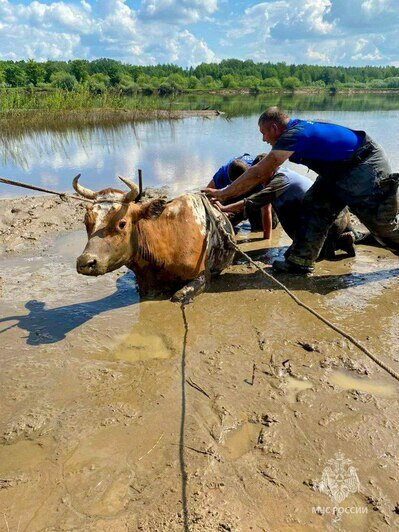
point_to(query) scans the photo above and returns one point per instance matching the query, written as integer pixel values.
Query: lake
(182, 154)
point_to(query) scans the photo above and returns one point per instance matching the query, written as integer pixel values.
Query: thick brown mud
(117, 414)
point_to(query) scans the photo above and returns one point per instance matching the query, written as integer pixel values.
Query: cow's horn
(134, 189)
(85, 192)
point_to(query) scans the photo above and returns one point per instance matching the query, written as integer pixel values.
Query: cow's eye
(122, 224)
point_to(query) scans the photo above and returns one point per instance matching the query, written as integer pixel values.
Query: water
(182, 154)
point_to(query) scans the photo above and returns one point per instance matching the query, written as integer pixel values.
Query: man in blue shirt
(227, 174)
(353, 171)
(285, 192)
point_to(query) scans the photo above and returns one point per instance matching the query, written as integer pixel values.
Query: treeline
(101, 75)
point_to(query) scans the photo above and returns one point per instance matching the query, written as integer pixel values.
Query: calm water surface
(181, 154)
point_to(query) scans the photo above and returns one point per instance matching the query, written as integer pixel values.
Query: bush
(98, 83)
(272, 83)
(166, 88)
(229, 81)
(291, 83)
(319, 83)
(193, 82)
(251, 82)
(63, 80)
(392, 83)
(127, 85)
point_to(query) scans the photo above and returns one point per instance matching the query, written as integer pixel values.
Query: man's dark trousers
(364, 184)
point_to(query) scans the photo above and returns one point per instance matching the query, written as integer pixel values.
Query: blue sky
(188, 32)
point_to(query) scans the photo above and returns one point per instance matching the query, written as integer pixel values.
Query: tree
(14, 76)
(78, 68)
(50, 67)
(34, 72)
(113, 69)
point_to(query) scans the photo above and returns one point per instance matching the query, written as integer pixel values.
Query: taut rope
(62, 195)
(319, 316)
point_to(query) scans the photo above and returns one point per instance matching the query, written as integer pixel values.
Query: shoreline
(39, 118)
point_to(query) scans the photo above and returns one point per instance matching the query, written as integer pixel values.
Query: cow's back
(182, 241)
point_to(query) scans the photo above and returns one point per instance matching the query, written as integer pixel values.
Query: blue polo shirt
(318, 142)
(221, 178)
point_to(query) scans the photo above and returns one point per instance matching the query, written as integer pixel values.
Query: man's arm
(232, 207)
(257, 174)
(211, 184)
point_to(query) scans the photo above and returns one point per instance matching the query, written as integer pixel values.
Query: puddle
(138, 346)
(349, 382)
(241, 440)
(294, 386)
(22, 456)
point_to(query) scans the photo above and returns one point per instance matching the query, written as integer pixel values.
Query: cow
(171, 246)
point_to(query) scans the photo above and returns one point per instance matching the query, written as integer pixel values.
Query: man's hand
(231, 209)
(222, 208)
(214, 193)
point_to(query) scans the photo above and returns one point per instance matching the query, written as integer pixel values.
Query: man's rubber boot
(286, 266)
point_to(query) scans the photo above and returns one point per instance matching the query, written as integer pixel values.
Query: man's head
(272, 124)
(236, 168)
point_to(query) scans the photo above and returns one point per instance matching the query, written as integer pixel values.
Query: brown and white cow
(169, 245)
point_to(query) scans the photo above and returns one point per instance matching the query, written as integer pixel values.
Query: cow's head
(110, 221)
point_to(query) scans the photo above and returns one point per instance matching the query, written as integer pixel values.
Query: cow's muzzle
(88, 264)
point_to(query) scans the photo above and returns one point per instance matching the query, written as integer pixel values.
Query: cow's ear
(153, 209)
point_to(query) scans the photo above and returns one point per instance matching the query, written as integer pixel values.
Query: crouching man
(285, 192)
(226, 175)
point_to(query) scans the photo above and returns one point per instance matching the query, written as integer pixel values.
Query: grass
(79, 99)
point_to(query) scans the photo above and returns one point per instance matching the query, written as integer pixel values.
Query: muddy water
(110, 421)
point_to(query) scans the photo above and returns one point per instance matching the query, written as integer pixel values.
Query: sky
(189, 32)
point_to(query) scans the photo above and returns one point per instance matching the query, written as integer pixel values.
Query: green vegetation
(105, 83)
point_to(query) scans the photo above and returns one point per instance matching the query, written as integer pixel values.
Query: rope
(62, 195)
(183, 469)
(319, 316)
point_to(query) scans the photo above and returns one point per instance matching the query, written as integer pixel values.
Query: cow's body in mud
(179, 246)
(169, 246)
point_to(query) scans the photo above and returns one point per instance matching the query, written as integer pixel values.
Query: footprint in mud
(97, 476)
(294, 386)
(241, 440)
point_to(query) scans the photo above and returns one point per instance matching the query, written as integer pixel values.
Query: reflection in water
(183, 154)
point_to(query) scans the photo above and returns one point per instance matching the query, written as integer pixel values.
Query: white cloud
(152, 31)
(315, 56)
(106, 28)
(318, 31)
(177, 11)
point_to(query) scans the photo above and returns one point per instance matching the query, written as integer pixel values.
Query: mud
(26, 222)
(117, 414)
